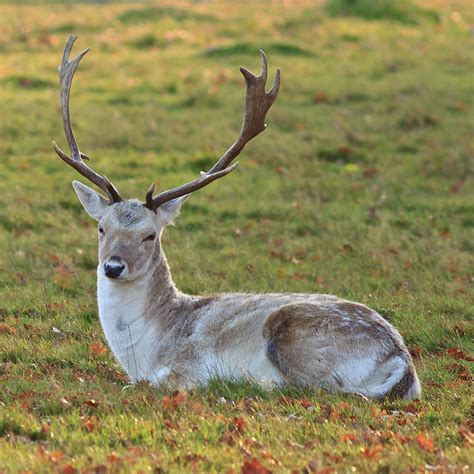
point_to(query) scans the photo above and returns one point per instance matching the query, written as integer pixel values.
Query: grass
(360, 187)
(403, 11)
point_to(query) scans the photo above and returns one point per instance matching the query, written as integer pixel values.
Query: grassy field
(361, 187)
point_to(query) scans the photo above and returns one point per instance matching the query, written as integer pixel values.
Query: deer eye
(101, 230)
(150, 238)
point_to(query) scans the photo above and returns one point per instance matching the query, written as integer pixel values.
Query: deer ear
(168, 211)
(94, 203)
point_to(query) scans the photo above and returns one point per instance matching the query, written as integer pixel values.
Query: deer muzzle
(114, 267)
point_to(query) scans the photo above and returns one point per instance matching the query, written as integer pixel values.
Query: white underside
(136, 343)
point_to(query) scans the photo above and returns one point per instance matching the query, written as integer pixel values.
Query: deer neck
(150, 298)
(136, 315)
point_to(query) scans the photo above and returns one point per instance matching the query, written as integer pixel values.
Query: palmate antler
(257, 104)
(76, 160)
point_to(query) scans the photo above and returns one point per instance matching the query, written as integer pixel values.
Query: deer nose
(113, 267)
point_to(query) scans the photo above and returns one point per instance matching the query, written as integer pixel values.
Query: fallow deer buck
(169, 338)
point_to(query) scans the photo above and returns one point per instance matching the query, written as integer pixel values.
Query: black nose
(113, 269)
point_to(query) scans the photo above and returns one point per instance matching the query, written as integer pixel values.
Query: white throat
(129, 334)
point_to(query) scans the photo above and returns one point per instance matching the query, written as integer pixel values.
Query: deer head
(130, 230)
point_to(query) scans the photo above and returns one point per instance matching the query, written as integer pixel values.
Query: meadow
(361, 186)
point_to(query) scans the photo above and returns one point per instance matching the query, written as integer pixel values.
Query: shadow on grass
(284, 49)
(149, 14)
(402, 11)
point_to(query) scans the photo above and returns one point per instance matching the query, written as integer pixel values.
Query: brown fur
(306, 339)
(402, 388)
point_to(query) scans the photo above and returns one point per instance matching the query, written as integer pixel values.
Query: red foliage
(238, 424)
(372, 452)
(254, 467)
(97, 348)
(425, 443)
(457, 353)
(174, 401)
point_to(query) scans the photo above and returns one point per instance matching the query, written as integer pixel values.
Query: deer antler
(257, 103)
(76, 160)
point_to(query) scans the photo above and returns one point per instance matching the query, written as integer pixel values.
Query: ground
(361, 186)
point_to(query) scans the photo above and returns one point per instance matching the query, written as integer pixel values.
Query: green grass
(361, 187)
(403, 11)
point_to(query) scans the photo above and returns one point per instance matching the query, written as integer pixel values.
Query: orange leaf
(113, 458)
(68, 469)
(466, 435)
(305, 403)
(97, 348)
(266, 454)
(174, 401)
(91, 424)
(425, 443)
(91, 403)
(55, 456)
(372, 452)
(254, 467)
(348, 437)
(220, 418)
(320, 97)
(459, 354)
(227, 437)
(169, 424)
(239, 424)
(6, 329)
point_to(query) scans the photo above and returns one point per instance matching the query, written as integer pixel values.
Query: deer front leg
(160, 376)
(171, 379)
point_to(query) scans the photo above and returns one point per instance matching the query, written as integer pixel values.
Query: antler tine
(190, 187)
(257, 103)
(149, 197)
(66, 74)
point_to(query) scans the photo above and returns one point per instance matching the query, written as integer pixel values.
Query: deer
(179, 341)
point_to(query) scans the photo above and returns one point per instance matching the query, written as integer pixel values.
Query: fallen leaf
(174, 401)
(320, 97)
(456, 353)
(239, 424)
(369, 172)
(372, 452)
(333, 457)
(466, 435)
(169, 424)
(91, 403)
(254, 467)
(460, 371)
(55, 456)
(97, 348)
(305, 403)
(68, 469)
(6, 329)
(91, 424)
(228, 438)
(457, 186)
(425, 443)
